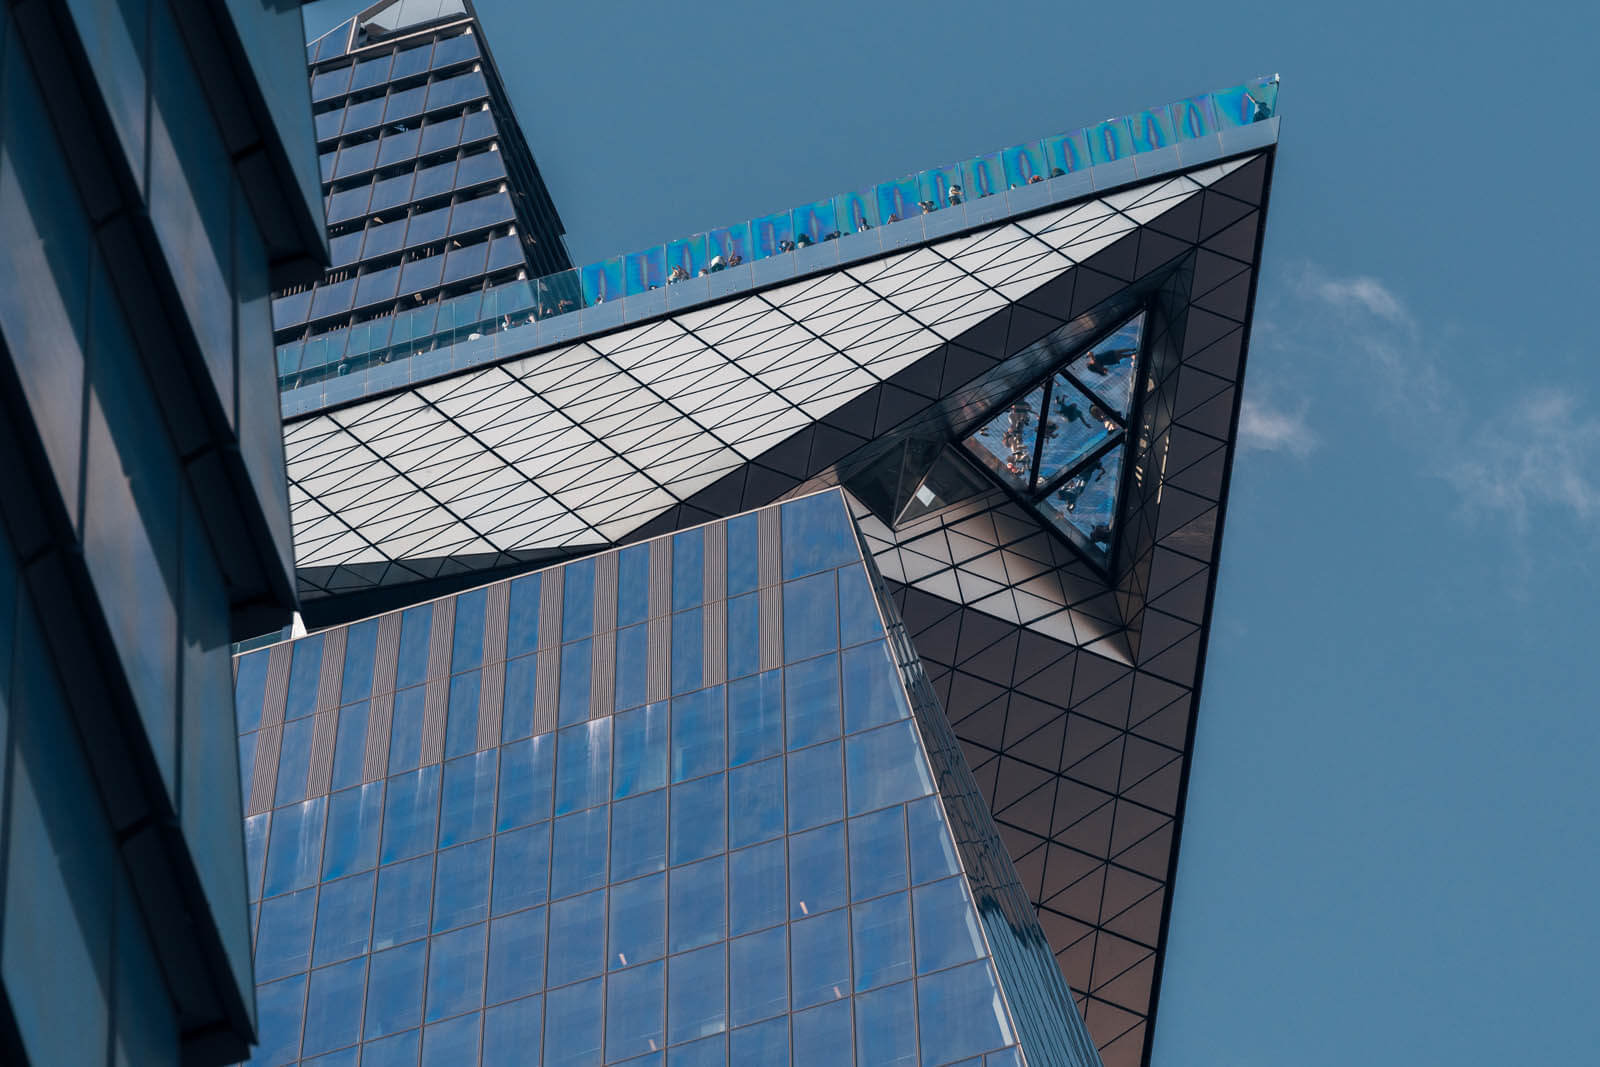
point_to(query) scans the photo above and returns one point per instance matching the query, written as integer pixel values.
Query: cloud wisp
(1266, 428)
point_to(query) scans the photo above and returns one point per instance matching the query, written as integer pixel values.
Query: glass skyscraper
(777, 645)
(157, 182)
(690, 799)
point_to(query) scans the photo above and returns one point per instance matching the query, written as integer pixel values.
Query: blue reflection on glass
(526, 852)
(946, 925)
(412, 666)
(296, 847)
(877, 853)
(461, 885)
(516, 717)
(455, 972)
(639, 835)
(688, 650)
(577, 941)
(350, 747)
(731, 244)
(697, 993)
(637, 921)
(466, 646)
(756, 802)
(697, 746)
(578, 853)
(985, 175)
(822, 799)
(933, 853)
(757, 885)
(411, 814)
(577, 600)
(881, 930)
(816, 871)
(759, 966)
(1194, 117)
(811, 697)
(583, 765)
(469, 791)
(810, 617)
(355, 819)
(688, 569)
(461, 724)
(1107, 369)
(344, 919)
(634, 1001)
(516, 955)
(687, 257)
(405, 891)
(1110, 141)
(1024, 163)
(755, 716)
(947, 1017)
(817, 535)
(873, 694)
(633, 661)
(815, 222)
(601, 282)
(394, 990)
(645, 270)
(283, 945)
(856, 212)
(333, 1007)
(304, 673)
(744, 635)
(405, 730)
(772, 234)
(452, 1042)
(1073, 426)
(633, 585)
(696, 904)
(897, 199)
(1087, 501)
(640, 764)
(1007, 441)
(823, 1035)
(766, 1042)
(514, 1031)
(936, 184)
(576, 680)
(858, 607)
(1152, 129)
(699, 814)
(886, 1027)
(526, 774)
(886, 766)
(575, 1017)
(819, 958)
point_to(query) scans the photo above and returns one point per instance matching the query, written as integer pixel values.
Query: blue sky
(1391, 843)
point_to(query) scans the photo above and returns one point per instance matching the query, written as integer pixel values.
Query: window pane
(816, 871)
(947, 1016)
(688, 569)
(757, 885)
(410, 814)
(522, 627)
(881, 932)
(872, 691)
(583, 765)
(638, 921)
(819, 958)
(696, 904)
(577, 938)
(344, 919)
(522, 858)
(461, 729)
(355, 818)
(574, 1016)
(697, 994)
(394, 990)
(877, 853)
(810, 617)
(633, 660)
(688, 650)
(744, 566)
(755, 718)
(759, 970)
(405, 731)
(516, 955)
(822, 800)
(461, 885)
(634, 1002)
(578, 855)
(933, 854)
(516, 719)
(641, 751)
(405, 892)
(466, 650)
(350, 748)
(755, 802)
(455, 972)
(744, 635)
(512, 1032)
(699, 814)
(413, 662)
(811, 704)
(525, 781)
(697, 734)
(823, 1034)
(886, 766)
(575, 683)
(947, 925)
(766, 1042)
(295, 847)
(283, 944)
(577, 599)
(639, 835)
(633, 585)
(817, 534)
(886, 1028)
(360, 652)
(333, 1007)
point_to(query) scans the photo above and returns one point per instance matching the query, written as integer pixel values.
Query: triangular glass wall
(1060, 445)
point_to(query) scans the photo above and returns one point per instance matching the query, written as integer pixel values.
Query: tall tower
(431, 192)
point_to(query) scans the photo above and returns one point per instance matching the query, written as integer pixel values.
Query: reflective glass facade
(668, 804)
(144, 520)
(430, 191)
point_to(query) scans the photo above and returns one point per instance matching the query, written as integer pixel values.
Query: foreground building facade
(156, 183)
(1019, 375)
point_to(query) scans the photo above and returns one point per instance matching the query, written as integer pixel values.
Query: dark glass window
(456, 90)
(441, 134)
(480, 168)
(404, 104)
(409, 61)
(435, 180)
(490, 210)
(331, 83)
(398, 146)
(389, 193)
(370, 72)
(455, 50)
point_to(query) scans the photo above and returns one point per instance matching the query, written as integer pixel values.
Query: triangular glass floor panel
(1005, 444)
(949, 481)
(1074, 425)
(1107, 368)
(1085, 503)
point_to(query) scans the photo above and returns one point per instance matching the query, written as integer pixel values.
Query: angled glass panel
(601, 282)
(814, 222)
(985, 175)
(1152, 129)
(1005, 443)
(936, 185)
(686, 258)
(1194, 117)
(948, 481)
(646, 270)
(1072, 428)
(898, 199)
(1110, 141)
(728, 247)
(856, 212)
(1086, 500)
(772, 234)
(1024, 163)
(1067, 152)
(1108, 368)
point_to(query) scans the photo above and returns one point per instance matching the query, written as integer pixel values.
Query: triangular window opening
(1061, 445)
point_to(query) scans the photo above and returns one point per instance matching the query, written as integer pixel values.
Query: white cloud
(1515, 457)
(1267, 429)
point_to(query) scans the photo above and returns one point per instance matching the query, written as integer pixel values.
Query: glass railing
(718, 262)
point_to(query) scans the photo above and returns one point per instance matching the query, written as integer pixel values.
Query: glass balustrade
(357, 356)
